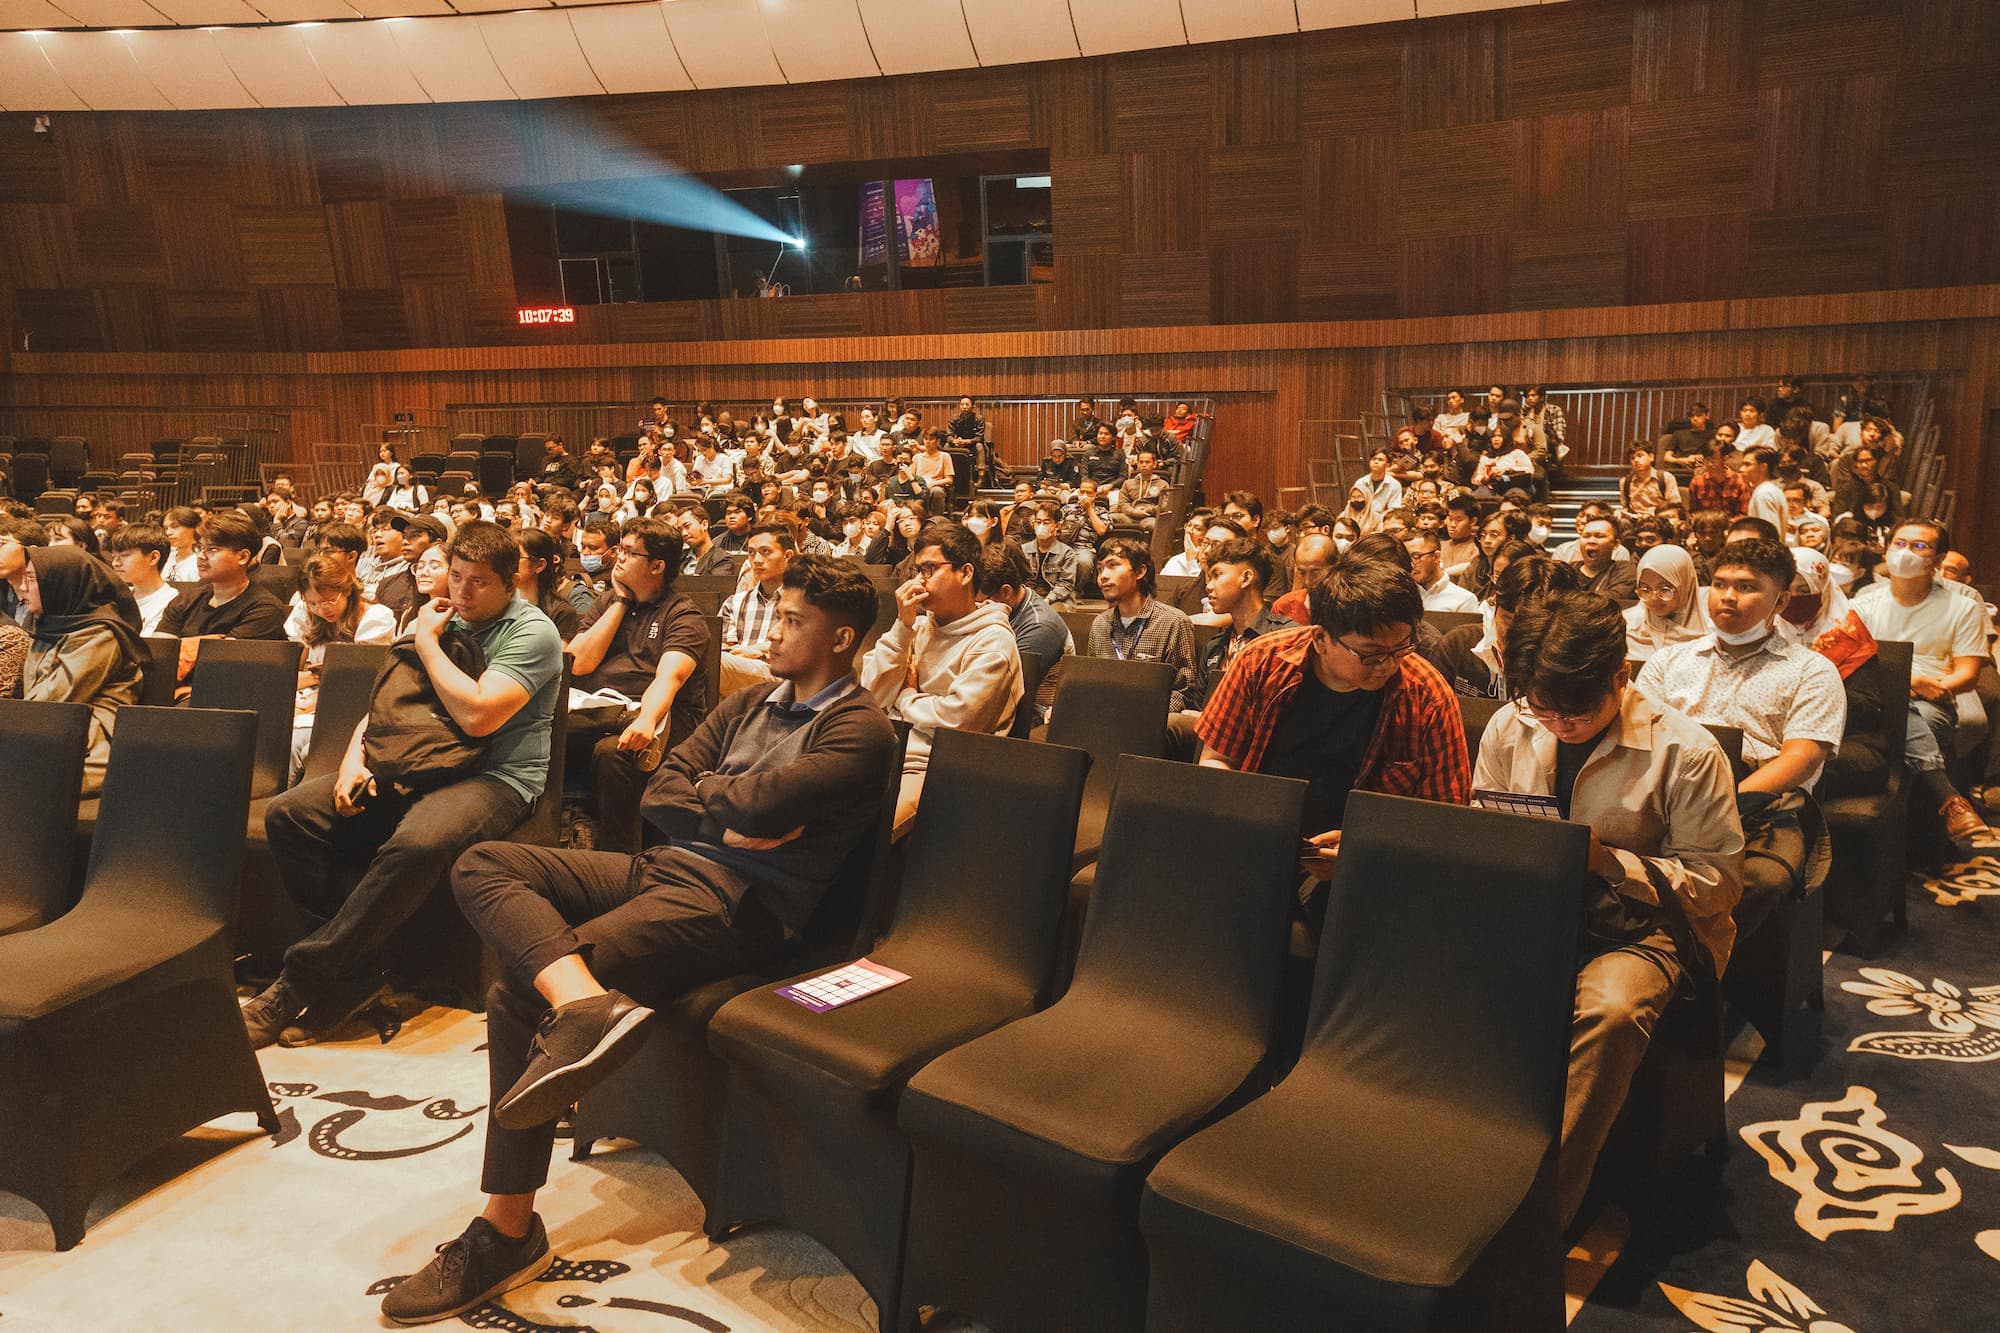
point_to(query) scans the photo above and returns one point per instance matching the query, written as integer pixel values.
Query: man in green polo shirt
(360, 856)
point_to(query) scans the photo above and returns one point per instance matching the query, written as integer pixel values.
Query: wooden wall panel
(1439, 167)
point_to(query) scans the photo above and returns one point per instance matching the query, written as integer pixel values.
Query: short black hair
(1247, 501)
(139, 537)
(486, 544)
(343, 537)
(836, 586)
(1381, 546)
(1363, 595)
(231, 529)
(1942, 546)
(181, 516)
(1565, 650)
(1246, 551)
(784, 534)
(662, 541)
(1135, 553)
(1531, 575)
(954, 541)
(1002, 565)
(1763, 527)
(1771, 560)
(1464, 503)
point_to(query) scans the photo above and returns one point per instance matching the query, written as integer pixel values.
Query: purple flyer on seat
(843, 985)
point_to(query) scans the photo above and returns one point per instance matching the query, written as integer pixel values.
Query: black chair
(69, 459)
(425, 467)
(496, 473)
(1108, 708)
(1032, 671)
(1867, 885)
(467, 443)
(41, 772)
(31, 476)
(500, 444)
(261, 675)
(711, 666)
(156, 686)
(51, 503)
(811, 1138)
(280, 580)
(1447, 969)
(1476, 713)
(119, 1028)
(529, 455)
(267, 922)
(669, 1097)
(1030, 1144)
(1079, 623)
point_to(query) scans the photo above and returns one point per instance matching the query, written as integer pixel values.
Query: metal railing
(1603, 422)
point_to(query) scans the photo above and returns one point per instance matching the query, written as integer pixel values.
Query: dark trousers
(654, 927)
(357, 879)
(613, 781)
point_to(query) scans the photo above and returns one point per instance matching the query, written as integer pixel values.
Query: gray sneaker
(469, 1271)
(323, 1017)
(576, 1046)
(271, 1011)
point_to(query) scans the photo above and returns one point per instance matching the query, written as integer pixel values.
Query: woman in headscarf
(87, 648)
(1818, 615)
(1669, 609)
(1812, 532)
(1817, 604)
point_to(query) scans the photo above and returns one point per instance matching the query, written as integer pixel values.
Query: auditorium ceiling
(182, 55)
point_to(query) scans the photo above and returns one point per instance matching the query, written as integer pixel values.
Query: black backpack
(412, 741)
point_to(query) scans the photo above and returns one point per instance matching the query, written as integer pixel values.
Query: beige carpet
(228, 1231)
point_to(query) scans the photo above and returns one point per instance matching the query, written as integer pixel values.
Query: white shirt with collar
(1444, 595)
(1781, 691)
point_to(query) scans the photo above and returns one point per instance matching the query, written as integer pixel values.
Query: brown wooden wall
(1601, 152)
(1267, 379)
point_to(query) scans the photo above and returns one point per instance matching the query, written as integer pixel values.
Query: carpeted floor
(1866, 1197)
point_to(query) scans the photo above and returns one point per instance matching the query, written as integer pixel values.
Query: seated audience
(1665, 845)
(358, 856)
(336, 612)
(1599, 568)
(1474, 656)
(1784, 697)
(183, 527)
(1051, 561)
(949, 661)
(1138, 498)
(645, 642)
(1135, 627)
(1311, 558)
(227, 605)
(539, 581)
(1669, 610)
(136, 553)
(1644, 489)
(1037, 628)
(1427, 568)
(1236, 571)
(1947, 631)
(86, 645)
(747, 616)
(1344, 705)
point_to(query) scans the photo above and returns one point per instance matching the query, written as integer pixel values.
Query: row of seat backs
(144, 848)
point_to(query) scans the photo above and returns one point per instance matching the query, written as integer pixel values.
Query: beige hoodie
(965, 676)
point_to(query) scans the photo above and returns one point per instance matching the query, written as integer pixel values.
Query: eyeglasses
(930, 567)
(1922, 548)
(636, 552)
(1553, 719)
(1657, 590)
(1372, 660)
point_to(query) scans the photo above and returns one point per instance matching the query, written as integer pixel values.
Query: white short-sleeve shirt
(1942, 626)
(1782, 692)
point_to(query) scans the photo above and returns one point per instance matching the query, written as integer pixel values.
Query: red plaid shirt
(1726, 492)
(1418, 748)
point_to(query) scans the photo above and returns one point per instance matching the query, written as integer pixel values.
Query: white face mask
(1341, 544)
(1841, 575)
(1044, 531)
(852, 530)
(1744, 637)
(976, 526)
(1279, 534)
(1903, 563)
(819, 497)
(1538, 533)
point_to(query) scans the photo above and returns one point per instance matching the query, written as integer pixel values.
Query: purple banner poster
(917, 220)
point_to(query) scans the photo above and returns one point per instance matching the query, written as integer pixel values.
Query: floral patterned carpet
(1866, 1196)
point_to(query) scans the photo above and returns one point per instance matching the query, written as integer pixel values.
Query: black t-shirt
(1569, 762)
(1323, 738)
(253, 614)
(649, 632)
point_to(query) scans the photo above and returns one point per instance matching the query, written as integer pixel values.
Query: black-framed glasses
(1372, 660)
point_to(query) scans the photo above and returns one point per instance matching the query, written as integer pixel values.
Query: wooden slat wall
(1601, 152)
(1266, 379)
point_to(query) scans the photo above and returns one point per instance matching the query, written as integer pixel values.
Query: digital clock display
(547, 314)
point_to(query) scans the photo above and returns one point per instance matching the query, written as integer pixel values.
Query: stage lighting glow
(631, 183)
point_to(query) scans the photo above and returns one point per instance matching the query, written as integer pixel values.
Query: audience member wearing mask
(86, 644)
(1052, 563)
(1666, 847)
(1785, 698)
(1670, 607)
(1946, 629)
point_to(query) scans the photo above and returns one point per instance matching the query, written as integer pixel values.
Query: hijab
(1817, 576)
(77, 589)
(1645, 633)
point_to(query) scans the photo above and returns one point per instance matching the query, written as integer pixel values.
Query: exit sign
(547, 314)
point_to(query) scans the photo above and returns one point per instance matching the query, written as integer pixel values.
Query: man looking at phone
(360, 856)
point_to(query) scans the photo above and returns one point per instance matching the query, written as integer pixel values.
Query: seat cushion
(89, 954)
(1331, 1167)
(1088, 1084)
(874, 1044)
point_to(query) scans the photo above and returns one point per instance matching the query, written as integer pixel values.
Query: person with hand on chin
(763, 805)
(359, 856)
